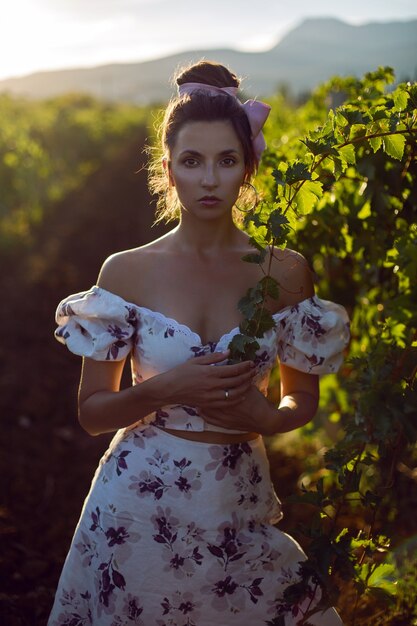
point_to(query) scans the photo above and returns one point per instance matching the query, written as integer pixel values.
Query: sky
(54, 34)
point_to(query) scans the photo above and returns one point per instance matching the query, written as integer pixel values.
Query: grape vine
(347, 193)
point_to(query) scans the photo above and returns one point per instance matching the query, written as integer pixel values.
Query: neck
(210, 237)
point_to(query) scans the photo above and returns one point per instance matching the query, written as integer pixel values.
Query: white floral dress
(176, 532)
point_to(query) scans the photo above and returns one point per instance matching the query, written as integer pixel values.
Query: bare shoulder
(114, 270)
(121, 272)
(293, 275)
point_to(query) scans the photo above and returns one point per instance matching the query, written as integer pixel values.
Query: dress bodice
(309, 336)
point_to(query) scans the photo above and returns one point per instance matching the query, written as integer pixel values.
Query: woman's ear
(167, 169)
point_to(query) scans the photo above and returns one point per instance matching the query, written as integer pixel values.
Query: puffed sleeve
(96, 324)
(312, 336)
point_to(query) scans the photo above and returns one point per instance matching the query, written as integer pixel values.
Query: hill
(311, 53)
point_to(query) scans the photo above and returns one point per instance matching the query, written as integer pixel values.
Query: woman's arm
(299, 401)
(103, 407)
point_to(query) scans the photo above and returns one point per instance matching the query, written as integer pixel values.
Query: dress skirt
(181, 533)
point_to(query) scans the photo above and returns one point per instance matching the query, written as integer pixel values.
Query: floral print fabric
(179, 533)
(309, 336)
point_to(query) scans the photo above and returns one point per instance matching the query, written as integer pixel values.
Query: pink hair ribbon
(256, 112)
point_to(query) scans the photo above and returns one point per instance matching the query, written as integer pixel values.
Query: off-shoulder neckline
(170, 321)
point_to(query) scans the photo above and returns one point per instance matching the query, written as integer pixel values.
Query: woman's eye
(190, 162)
(228, 161)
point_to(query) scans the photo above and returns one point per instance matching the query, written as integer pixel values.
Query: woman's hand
(254, 413)
(204, 383)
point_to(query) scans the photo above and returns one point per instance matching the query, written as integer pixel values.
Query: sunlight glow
(262, 41)
(38, 35)
(21, 32)
(34, 37)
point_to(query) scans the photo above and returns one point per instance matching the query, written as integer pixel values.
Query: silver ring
(226, 394)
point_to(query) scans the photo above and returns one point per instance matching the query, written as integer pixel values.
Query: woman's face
(207, 168)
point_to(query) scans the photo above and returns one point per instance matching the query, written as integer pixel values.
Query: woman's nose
(209, 178)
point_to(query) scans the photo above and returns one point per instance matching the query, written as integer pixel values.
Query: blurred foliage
(48, 149)
(346, 197)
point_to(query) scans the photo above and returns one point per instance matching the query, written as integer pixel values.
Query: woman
(178, 526)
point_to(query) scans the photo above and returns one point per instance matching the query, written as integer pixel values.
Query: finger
(231, 397)
(245, 379)
(235, 395)
(227, 371)
(220, 403)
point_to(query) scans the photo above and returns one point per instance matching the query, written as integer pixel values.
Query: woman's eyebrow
(189, 151)
(197, 153)
(229, 151)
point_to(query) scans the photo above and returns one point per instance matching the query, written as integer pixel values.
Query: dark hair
(199, 107)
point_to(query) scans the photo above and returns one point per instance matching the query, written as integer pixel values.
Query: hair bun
(207, 73)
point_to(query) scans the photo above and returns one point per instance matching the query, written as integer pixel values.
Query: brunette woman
(179, 525)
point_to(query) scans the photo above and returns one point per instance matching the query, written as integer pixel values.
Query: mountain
(309, 54)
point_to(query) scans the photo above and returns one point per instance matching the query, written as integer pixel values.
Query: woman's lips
(209, 200)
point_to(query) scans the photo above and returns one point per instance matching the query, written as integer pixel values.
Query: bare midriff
(211, 436)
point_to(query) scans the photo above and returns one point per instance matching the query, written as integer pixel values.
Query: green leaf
(339, 166)
(380, 596)
(258, 220)
(270, 287)
(321, 146)
(308, 195)
(384, 577)
(279, 177)
(248, 305)
(353, 116)
(253, 242)
(400, 99)
(376, 143)
(357, 131)
(278, 223)
(242, 348)
(381, 115)
(348, 153)
(394, 146)
(297, 171)
(340, 118)
(263, 321)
